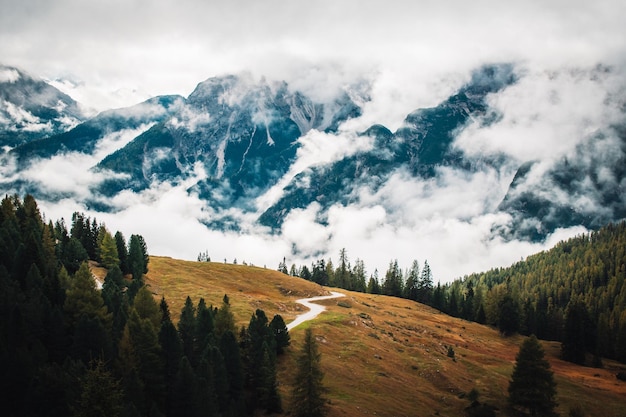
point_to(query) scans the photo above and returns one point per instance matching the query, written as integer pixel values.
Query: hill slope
(385, 356)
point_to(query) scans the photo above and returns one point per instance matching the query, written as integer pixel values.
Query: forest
(573, 293)
(67, 348)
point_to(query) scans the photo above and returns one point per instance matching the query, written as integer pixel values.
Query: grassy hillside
(385, 356)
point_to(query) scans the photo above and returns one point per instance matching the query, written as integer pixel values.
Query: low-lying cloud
(409, 54)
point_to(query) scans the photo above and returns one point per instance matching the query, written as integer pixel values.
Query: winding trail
(314, 309)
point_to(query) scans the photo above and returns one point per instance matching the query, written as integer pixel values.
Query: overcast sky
(116, 53)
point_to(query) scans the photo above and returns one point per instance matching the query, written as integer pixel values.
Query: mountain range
(237, 143)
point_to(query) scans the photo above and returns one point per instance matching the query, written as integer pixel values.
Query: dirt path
(314, 309)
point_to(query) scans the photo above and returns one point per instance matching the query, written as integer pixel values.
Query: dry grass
(385, 356)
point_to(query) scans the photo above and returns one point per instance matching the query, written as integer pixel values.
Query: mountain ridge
(235, 140)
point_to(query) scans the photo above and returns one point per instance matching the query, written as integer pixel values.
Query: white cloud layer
(414, 54)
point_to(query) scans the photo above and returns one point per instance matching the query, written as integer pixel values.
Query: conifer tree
(307, 398)
(187, 329)
(358, 276)
(147, 307)
(184, 396)
(122, 251)
(101, 394)
(107, 249)
(82, 298)
(573, 346)
(278, 328)
(425, 285)
(393, 284)
(224, 319)
(412, 282)
(232, 362)
(204, 326)
(532, 385)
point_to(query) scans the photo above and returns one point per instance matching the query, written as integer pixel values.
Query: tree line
(67, 348)
(414, 283)
(574, 293)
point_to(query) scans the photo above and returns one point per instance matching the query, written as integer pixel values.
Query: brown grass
(385, 356)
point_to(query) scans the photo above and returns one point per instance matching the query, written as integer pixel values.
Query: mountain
(588, 189)
(237, 145)
(32, 109)
(243, 135)
(421, 146)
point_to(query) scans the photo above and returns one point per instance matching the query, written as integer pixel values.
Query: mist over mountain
(263, 168)
(32, 109)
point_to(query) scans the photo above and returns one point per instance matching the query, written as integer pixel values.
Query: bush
(450, 352)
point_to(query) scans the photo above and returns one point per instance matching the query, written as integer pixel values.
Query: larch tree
(532, 384)
(307, 398)
(107, 249)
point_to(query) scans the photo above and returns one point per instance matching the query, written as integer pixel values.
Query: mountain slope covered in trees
(574, 293)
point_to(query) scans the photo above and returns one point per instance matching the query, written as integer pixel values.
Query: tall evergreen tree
(187, 329)
(307, 398)
(425, 285)
(412, 282)
(122, 252)
(278, 328)
(232, 361)
(508, 315)
(573, 346)
(393, 284)
(532, 385)
(358, 276)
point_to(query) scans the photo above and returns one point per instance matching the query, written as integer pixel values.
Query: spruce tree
(278, 328)
(532, 385)
(307, 398)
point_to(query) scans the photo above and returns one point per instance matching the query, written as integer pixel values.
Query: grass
(385, 356)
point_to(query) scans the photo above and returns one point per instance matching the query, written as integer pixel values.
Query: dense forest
(573, 293)
(67, 348)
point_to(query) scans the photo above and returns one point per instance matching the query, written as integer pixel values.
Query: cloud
(8, 75)
(548, 114)
(409, 55)
(125, 50)
(70, 173)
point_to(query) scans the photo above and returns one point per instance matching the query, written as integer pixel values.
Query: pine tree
(307, 398)
(532, 384)
(278, 328)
